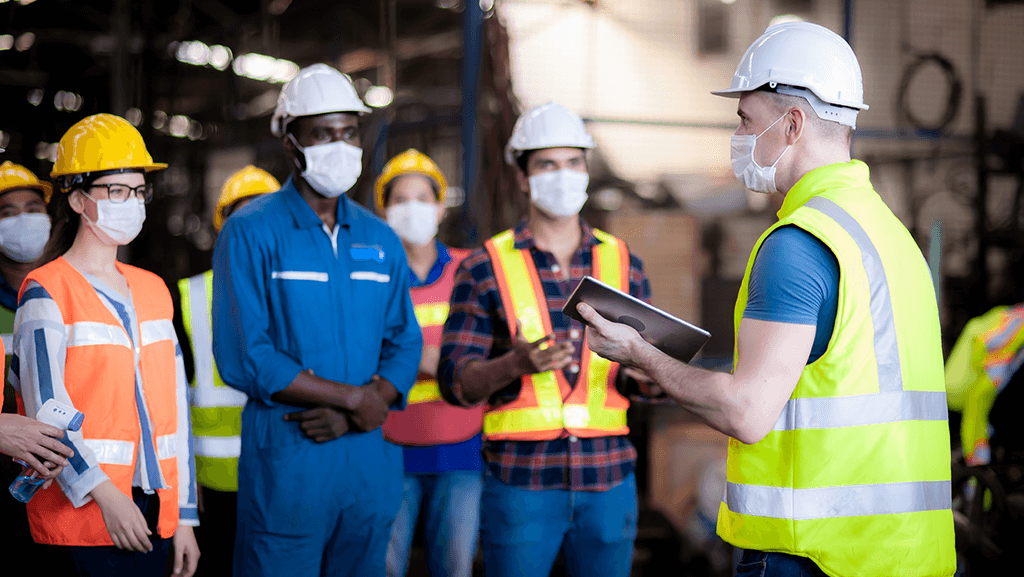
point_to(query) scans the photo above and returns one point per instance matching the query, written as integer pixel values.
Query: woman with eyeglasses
(96, 334)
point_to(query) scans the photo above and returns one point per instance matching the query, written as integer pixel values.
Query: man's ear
(523, 181)
(796, 122)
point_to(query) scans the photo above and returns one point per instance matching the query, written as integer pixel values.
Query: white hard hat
(316, 89)
(808, 60)
(549, 125)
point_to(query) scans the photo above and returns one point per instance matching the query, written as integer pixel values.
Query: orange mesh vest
(99, 375)
(428, 419)
(547, 407)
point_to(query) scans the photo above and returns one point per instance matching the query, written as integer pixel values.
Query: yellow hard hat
(15, 176)
(250, 181)
(102, 142)
(411, 161)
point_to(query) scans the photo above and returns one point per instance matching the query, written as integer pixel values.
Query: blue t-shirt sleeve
(795, 279)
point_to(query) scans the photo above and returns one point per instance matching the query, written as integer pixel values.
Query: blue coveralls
(287, 299)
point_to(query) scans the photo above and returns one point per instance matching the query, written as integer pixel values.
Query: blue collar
(443, 258)
(303, 214)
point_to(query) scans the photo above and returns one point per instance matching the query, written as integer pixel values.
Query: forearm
(711, 396)
(308, 390)
(481, 379)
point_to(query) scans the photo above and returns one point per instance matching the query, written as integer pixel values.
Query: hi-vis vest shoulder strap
(99, 376)
(428, 419)
(216, 407)
(547, 407)
(856, 473)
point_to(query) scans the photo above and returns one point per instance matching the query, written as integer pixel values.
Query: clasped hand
(322, 424)
(531, 359)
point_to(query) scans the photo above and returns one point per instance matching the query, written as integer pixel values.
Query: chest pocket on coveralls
(370, 279)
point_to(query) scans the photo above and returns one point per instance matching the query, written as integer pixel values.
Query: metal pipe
(472, 50)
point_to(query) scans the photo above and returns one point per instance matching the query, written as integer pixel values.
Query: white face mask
(415, 221)
(23, 237)
(117, 223)
(754, 176)
(332, 168)
(559, 193)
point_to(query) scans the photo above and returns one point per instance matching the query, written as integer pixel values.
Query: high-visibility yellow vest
(547, 408)
(216, 407)
(855, 474)
(988, 352)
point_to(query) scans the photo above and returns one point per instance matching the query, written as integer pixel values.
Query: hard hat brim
(154, 166)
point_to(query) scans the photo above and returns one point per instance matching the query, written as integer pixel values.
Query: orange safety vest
(547, 407)
(427, 418)
(99, 375)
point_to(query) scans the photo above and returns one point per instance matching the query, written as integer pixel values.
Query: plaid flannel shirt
(477, 329)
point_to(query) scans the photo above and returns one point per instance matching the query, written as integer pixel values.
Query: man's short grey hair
(826, 128)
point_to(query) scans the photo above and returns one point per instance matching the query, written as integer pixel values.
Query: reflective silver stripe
(166, 446)
(8, 340)
(370, 275)
(887, 354)
(217, 447)
(202, 333)
(299, 275)
(857, 410)
(155, 331)
(827, 502)
(83, 334)
(111, 452)
(216, 397)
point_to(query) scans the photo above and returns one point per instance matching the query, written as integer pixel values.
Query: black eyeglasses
(118, 193)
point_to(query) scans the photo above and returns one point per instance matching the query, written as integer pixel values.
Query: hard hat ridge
(316, 89)
(15, 176)
(411, 161)
(249, 181)
(549, 125)
(804, 59)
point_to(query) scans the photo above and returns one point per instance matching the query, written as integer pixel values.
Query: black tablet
(674, 337)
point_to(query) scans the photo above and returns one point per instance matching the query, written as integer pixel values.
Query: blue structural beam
(472, 49)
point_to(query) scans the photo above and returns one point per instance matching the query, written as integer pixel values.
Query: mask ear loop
(300, 158)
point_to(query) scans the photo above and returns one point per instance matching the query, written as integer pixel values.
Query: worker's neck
(557, 235)
(14, 272)
(811, 156)
(421, 258)
(325, 208)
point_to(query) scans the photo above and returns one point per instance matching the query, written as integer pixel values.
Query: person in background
(96, 334)
(312, 320)
(441, 443)
(986, 355)
(216, 407)
(839, 456)
(24, 231)
(559, 469)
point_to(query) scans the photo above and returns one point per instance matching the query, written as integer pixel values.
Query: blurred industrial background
(944, 139)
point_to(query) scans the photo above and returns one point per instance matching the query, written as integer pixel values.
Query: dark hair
(524, 159)
(65, 225)
(387, 187)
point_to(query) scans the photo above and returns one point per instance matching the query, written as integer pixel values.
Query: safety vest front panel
(858, 460)
(216, 408)
(99, 376)
(547, 407)
(428, 419)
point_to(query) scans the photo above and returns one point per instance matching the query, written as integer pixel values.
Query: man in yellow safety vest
(216, 407)
(839, 457)
(558, 466)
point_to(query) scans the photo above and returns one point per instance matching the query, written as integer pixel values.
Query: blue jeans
(451, 504)
(522, 531)
(761, 564)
